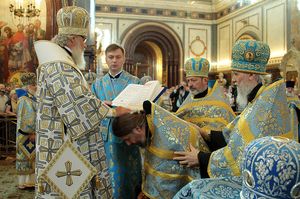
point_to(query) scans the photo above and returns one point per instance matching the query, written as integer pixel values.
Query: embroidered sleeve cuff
(111, 113)
(104, 110)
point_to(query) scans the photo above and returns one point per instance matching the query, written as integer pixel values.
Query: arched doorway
(153, 49)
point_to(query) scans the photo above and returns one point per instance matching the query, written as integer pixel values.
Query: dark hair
(124, 124)
(113, 47)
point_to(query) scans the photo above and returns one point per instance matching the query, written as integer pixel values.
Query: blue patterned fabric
(164, 177)
(124, 161)
(220, 188)
(26, 114)
(196, 67)
(250, 56)
(271, 169)
(267, 115)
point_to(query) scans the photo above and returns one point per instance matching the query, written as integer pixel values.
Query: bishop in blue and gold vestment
(25, 139)
(208, 108)
(266, 115)
(124, 161)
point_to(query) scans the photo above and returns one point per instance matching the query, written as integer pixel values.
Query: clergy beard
(196, 92)
(78, 57)
(243, 91)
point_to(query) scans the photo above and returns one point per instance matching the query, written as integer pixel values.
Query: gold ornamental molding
(193, 47)
(275, 60)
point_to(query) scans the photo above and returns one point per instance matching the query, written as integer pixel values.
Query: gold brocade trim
(210, 91)
(71, 31)
(213, 89)
(293, 99)
(231, 162)
(289, 135)
(245, 130)
(193, 136)
(44, 176)
(150, 118)
(191, 105)
(164, 154)
(269, 87)
(151, 171)
(210, 120)
(209, 167)
(247, 136)
(231, 125)
(147, 194)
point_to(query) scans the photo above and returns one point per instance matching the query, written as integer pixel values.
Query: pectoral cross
(68, 173)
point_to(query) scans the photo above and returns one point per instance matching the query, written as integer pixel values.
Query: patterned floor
(8, 181)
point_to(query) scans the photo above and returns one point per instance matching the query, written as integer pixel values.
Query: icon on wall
(22, 23)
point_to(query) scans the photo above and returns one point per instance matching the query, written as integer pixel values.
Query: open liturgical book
(134, 95)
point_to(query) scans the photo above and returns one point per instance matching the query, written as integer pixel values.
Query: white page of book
(134, 95)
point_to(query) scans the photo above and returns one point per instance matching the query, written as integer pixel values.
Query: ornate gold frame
(202, 42)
